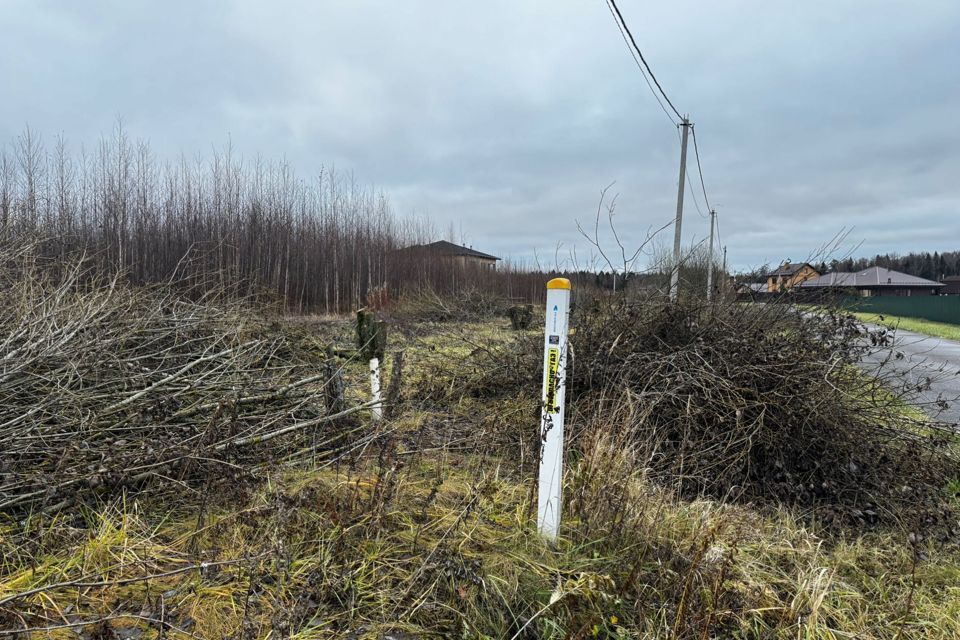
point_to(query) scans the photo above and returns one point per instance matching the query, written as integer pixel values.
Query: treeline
(324, 244)
(932, 266)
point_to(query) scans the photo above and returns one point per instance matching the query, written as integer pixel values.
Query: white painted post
(551, 420)
(376, 411)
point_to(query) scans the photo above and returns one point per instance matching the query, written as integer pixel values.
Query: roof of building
(449, 249)
(789, 269)
(950, 279)
(869, 278)
(754, 287)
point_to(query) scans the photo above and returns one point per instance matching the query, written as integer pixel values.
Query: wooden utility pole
(675, 274)
(713, 217)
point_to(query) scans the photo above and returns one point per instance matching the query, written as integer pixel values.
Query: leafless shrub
(743, 401)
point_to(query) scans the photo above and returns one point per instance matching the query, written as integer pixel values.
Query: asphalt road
(925, 358)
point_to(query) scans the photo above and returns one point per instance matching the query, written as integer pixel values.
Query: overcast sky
(506, 118)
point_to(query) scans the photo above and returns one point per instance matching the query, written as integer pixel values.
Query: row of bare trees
(256, 228)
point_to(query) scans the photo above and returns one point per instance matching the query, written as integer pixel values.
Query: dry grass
(447, 548)
(425, 527)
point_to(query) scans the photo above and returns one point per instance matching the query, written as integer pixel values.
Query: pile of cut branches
(468, 304)
(104, 387)
(749, 401)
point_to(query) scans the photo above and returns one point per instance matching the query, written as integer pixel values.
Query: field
(722, 481)
(446, 547)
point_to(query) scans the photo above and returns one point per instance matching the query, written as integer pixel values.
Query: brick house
(788, 275)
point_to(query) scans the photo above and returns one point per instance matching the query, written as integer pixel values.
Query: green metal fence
(935, 308)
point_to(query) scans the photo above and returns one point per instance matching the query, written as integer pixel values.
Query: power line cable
(693, 194)
(696, 151)
(621, 21)
(640, 66)
(648, 75)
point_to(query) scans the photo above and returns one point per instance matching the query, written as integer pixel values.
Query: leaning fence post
(393, 389)
(333, 390)
(371, 335)
(551, 420)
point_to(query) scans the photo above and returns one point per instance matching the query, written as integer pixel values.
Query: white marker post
(376, 411)
(551, 420)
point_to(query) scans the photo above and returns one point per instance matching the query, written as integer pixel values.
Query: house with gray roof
(462, 256)
(875, 281)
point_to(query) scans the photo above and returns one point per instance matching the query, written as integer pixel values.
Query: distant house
(951, 285)
(875, 281)
(750, 288)
(443, 250)
(788, 275)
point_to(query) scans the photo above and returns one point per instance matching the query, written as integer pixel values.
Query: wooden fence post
(333, 392)
(396, 382)
(521, 316)
(371, 335)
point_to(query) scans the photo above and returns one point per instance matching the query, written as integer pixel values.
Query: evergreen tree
(922, 264)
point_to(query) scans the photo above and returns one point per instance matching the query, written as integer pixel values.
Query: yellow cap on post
(558, 283)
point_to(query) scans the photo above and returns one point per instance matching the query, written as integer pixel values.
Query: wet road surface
(924, 358)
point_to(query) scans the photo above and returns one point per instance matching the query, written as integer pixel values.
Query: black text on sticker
(553, 362)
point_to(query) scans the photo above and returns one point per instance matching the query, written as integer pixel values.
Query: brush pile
(467, 304)
(104, 387)
(756, 402)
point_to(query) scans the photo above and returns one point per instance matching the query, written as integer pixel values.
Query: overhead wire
(633, 54)
(696, 152)
(619, 17)
(693, 194)
(661, 96)
(648, 74)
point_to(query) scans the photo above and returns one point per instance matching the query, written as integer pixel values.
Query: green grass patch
(917, 325)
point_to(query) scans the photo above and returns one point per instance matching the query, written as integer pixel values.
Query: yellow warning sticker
(553, 363)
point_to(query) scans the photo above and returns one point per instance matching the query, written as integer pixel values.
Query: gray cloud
(507, 118)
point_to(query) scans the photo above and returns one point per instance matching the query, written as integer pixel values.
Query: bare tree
(220, 224)
(626, 263)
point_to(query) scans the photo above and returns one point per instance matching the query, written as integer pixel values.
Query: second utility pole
(713, 217)
(675, 273)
